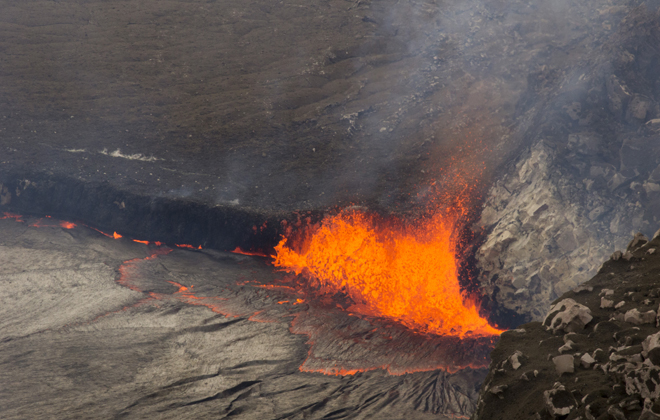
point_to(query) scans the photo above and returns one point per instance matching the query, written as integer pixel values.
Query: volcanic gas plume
(406, 273)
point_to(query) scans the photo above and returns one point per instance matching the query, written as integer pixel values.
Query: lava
(238, 250)
(40, 222)
(188, 246)
(63, 224)
(114, 235)
(16, 217)
(406, 273)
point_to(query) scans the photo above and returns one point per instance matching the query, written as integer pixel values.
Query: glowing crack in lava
(405, 273)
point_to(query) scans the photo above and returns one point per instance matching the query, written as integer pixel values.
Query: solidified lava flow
(396, 273)
(406, 273)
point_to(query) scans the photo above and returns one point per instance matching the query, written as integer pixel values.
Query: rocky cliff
(591, 178)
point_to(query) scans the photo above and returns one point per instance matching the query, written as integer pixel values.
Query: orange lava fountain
(405, 273)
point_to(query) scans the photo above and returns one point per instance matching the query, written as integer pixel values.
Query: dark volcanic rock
(612, 369)
(250, 108)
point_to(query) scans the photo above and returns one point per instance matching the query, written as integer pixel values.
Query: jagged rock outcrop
(544, 238)
(608, 368)
(591, 179)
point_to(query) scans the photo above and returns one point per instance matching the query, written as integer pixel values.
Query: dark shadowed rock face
(606, 369)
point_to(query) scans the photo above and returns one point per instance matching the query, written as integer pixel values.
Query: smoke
(414, 93)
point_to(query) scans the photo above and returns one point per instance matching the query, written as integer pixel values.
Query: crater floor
(95, 327)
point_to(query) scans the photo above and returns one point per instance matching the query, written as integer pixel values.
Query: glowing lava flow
(408, 274)
(63, 224)
(15, 217)
(238, 250)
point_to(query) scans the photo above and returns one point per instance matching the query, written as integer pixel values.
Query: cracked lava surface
(95, 326)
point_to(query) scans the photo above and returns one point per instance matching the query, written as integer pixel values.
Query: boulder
(516, 359)
(587, 361)
(568, 316)
(559, 401)
(638, 109)
(636, 317)
(606, 303)
(648, 413)
(568, 346)
(498, 390)
(638, 240)
(643, 381)
(564, 363)
(651, 342)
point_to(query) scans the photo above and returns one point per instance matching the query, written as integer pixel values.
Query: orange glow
(188, 246)
(141, 242)
(40, 224)
(238, 250)
(16, 217)
(405, 273)
(115, 235)
(296, 302)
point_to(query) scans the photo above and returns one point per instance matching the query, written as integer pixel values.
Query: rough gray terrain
(100, 328)
(293, 106)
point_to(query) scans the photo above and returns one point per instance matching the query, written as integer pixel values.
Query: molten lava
(238, 250)
(188, 246)
(405, 273)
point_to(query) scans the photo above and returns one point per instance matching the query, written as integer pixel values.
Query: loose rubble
(593, 359)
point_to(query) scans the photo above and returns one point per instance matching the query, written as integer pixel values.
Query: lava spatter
(408, 274)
